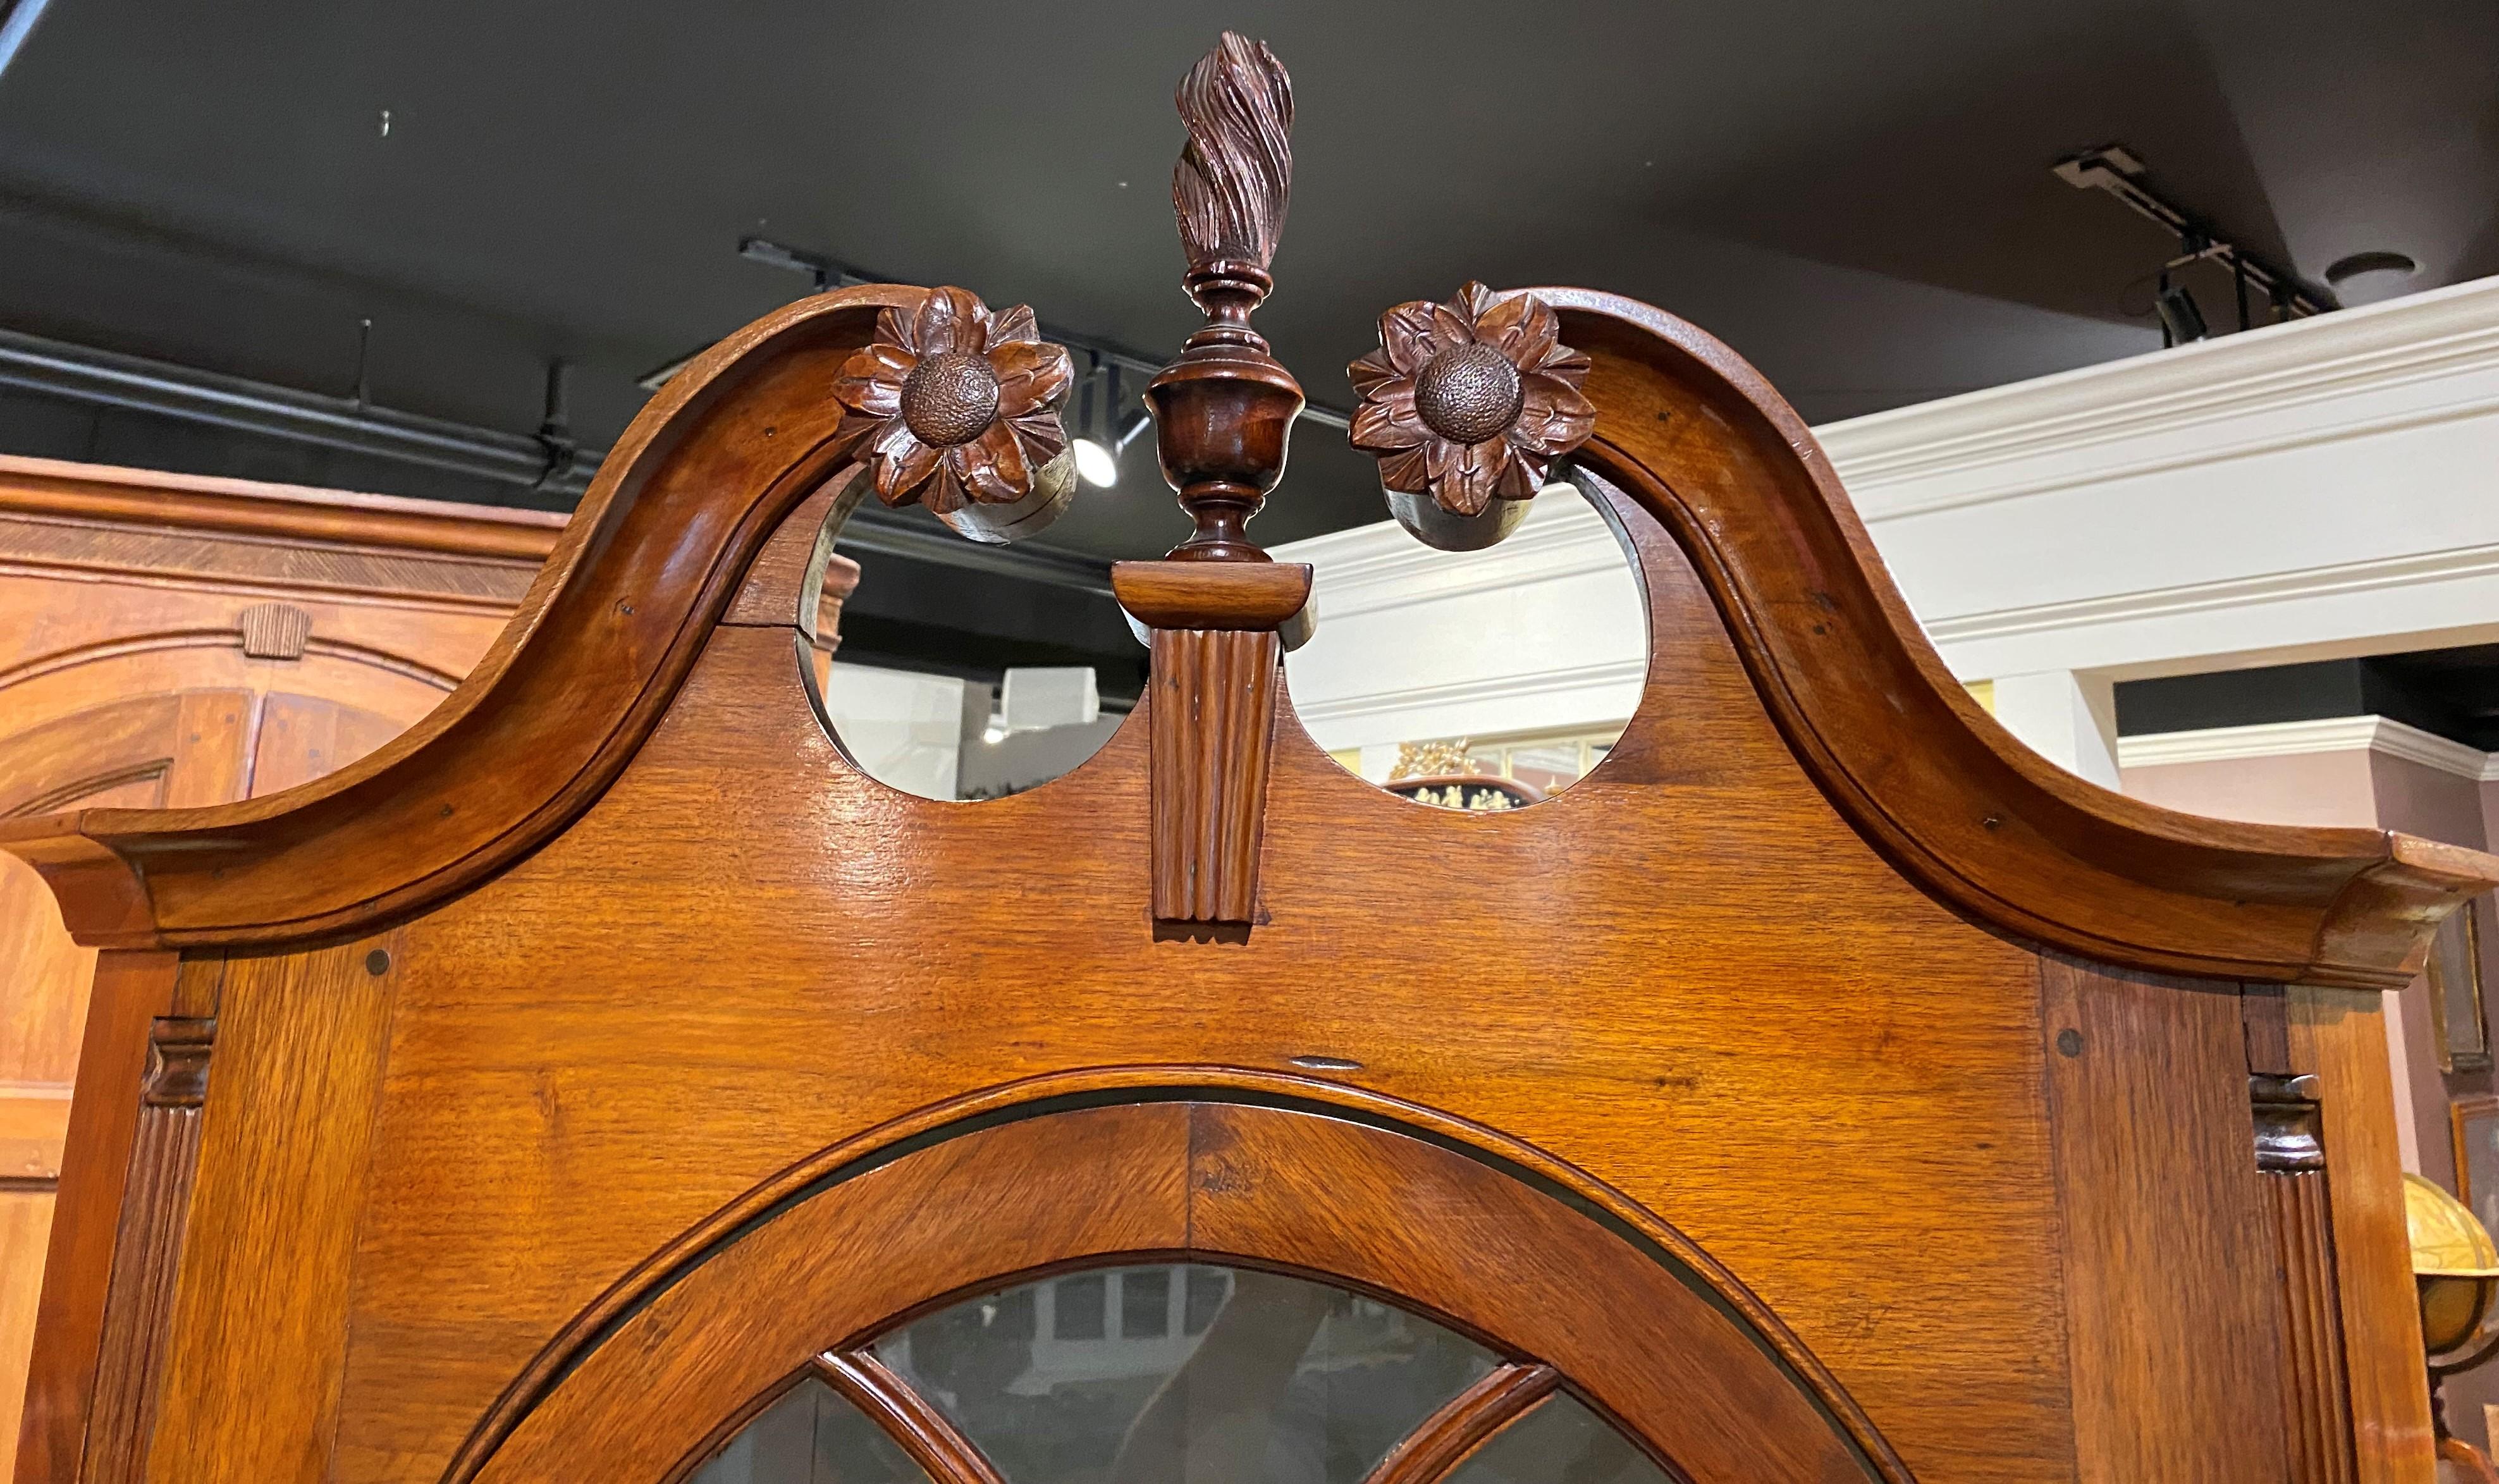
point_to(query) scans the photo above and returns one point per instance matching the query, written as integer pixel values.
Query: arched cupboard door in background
(168, 641)
(1227, 1284)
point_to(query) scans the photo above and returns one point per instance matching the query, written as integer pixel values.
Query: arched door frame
(1671, 1348)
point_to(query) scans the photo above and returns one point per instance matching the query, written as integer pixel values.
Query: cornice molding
(1613, 672)
(1379, 567)
(2283, 739)
(2408, 570)
(103, 495)
(710, 469)
(2103, 422)
(2096, 424)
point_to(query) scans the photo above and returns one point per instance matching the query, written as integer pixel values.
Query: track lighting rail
(2119, 171)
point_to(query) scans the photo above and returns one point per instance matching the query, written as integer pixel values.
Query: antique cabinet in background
(607, 1073)
(169, 641)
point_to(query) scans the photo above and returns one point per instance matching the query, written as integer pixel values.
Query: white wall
(905, 730)
(2312, 490)
(1542, 632)
(2304, 491)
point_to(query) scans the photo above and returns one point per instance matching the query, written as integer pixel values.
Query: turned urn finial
(1225, 407)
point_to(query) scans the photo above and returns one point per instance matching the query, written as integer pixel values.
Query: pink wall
(2422, 800)
(2377, 790)
(2294, 789)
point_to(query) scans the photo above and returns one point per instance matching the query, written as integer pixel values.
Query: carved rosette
(1469, 403)
(964, 405)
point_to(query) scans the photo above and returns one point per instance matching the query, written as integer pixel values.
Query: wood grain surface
(1765, 986)
(173, 641)
(1212, 595)
(2165, 1236)
(2316, 1378)
(915, 1233)
(578, 679)
(2340, 1038)
(924, 1435)
(1504, 1261)
(1214, 721)
(255, 1346)
(1219, 1181)
(546, 1042)
(131, 991)
(1694, 437)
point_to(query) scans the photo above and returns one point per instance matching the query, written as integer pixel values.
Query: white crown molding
(1581, 677)
(2409, 569)
(2334, 734)
(2107, 422)
(1376, 567)
(2168, 548)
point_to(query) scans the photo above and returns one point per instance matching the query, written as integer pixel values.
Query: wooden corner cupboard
(169, 640)
(606, 1079)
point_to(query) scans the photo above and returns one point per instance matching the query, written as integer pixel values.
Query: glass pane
(811, 1437)
(1168, 1374)
(1560, 1443)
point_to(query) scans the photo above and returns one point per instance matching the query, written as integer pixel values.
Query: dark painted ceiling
(1857, 197)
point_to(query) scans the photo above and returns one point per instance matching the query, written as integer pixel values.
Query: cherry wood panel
(1510, 1263)
(547, 1042)
(33, 1124)
(257, 1332)
(704, 474)
(302, 737)
(171, 642)
(911, 1234)
(126, 744)
(1761, 979)
(1264, 1185)
(131, 989)
(561, 700)
(2155, 1156)
(26, 1225)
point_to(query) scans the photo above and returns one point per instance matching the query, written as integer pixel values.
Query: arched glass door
(1172, 1373)
(1001, 1304)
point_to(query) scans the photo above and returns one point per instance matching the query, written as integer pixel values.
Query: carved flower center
(950, 398)
(1469, 393)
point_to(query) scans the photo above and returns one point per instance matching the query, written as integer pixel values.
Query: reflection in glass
(1169, 1375)
(1559, 1442)
(811, 1437)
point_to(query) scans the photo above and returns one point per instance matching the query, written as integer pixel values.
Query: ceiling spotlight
(1095, 464)
(2347, 269)
(2179, 315)
(2367, 276)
